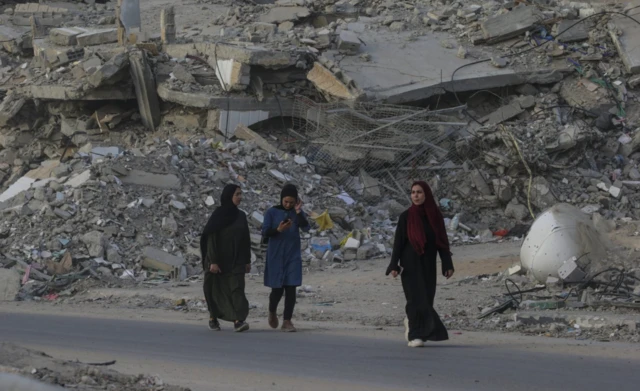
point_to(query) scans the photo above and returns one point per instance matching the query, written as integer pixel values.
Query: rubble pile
(137, 215)
(20, 365)
(99, 181)
(590, 310)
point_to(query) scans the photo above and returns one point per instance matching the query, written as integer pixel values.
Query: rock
(499, 62)
(113, 255)
(352, 244)
(96, 243)
(337, 213)
(256, 219)
(9, 284)
(366, 251)
(177, 205)
(170, 225)
(348, 42)
(502, 189)
(397, 26)
(541, 195)
(516, 211)
(462, 52)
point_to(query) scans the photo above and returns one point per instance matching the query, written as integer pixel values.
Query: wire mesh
(381, 146)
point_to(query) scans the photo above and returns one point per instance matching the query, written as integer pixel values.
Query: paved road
(379, 363)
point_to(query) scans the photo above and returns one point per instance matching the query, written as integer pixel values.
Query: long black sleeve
(302, 220)
(399, 243)
(447, 262)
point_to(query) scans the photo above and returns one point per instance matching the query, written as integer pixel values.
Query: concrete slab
(245, 54)
(426, 69)
(9, 284)
(146, 91)
(18, 187)
(511, 24)
(50, 55)
(15, 39)
(143, 178)
(97, 37)
(66, 36)
(328, 83)
(9, 107)
(627, 44)
(57, 92)
(240, 103)
(577, 33)
(285, 14)
(160, 260)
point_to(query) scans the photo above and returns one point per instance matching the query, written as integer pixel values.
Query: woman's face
(288, 202)
(417, 195)
(237, 197)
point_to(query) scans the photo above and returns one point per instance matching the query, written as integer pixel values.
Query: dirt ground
(351, 293)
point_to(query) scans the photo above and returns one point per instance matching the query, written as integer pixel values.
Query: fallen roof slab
(245, 54)
(56, 92)
(627, 43)
(275, 106)
(426, 69)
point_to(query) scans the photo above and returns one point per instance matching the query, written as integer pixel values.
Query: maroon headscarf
(415, 228)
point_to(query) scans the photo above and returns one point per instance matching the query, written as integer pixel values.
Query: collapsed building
(117, 134)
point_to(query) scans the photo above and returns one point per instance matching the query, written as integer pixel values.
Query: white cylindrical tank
(12, 382)
(561, 232)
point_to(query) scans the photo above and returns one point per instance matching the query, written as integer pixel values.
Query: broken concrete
(233, 75)
(244, 133)
(570, 32)
(97, 37)
(627, 41)
(413, 79)
(348, 42)
(510, 24)
(66, 36)
(505, 113)
(9, 107)
(142, 178)
(328, 83)
(9, 284)
(110, 69)
(50, 55)
(285, 14)
(244, 54)
(15, 39)
(160, 260)
(146, 93)
(58, 92)
(168, 25)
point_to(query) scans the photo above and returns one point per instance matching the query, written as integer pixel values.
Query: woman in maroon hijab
(420, 236)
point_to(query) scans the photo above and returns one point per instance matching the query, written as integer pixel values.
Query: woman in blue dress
(283, 271)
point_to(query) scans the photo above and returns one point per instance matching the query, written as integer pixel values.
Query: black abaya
(419, 278)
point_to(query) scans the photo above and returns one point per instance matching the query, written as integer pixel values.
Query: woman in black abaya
(226, 256)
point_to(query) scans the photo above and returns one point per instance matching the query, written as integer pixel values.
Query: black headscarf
(288, 190)
(221, 218)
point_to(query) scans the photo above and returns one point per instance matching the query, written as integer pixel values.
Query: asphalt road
(363, 362)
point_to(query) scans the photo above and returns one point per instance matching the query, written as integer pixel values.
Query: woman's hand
(394, 273)
(215, 269)
(448, 273)
(284, 225)
(299, 206)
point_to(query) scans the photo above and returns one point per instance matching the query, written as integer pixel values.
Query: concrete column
(168, 25)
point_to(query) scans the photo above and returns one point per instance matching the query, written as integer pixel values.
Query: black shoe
(241, 326)
(214, 325)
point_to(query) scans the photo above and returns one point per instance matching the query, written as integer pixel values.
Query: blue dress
(284, 258)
